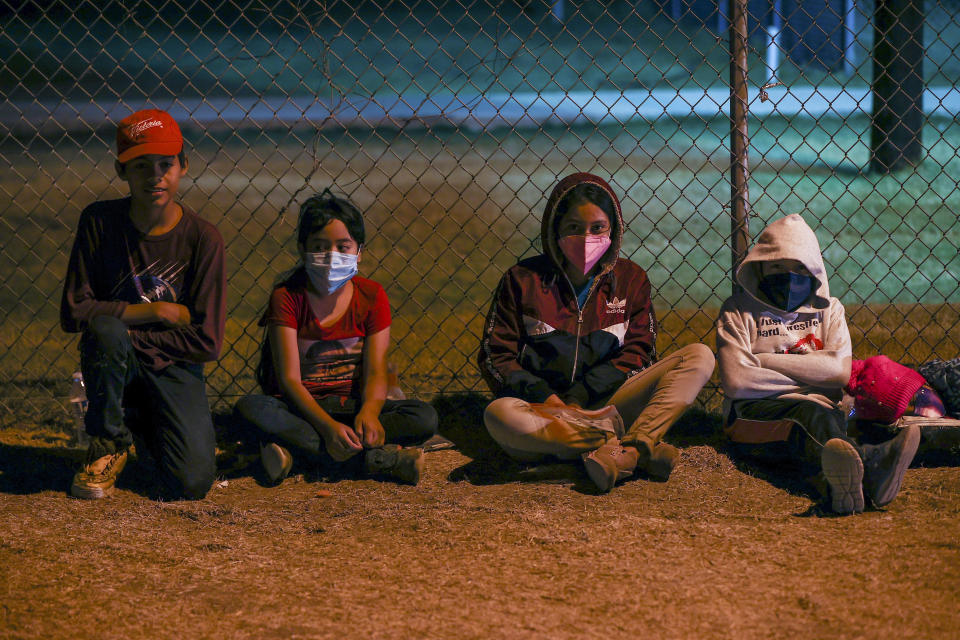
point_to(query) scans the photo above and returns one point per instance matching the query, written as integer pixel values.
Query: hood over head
(788, 238)
(548, 235)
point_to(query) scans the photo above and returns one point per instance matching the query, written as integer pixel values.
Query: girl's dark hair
(582, 194)
(319, 210)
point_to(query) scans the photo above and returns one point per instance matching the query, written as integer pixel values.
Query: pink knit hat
(882, 389)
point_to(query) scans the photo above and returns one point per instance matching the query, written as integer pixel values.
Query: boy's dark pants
(405, 422)
(168, 408)
(814, 424)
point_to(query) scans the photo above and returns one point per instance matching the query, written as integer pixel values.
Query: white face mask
(330, 270)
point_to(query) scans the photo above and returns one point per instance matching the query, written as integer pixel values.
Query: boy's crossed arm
(170, 314)
(195, 343)
(197, 335)
(742, 375)
(747, 375)
(824, 369)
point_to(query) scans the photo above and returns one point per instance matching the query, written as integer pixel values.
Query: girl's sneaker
(609, 464)
(277, 462)
(403, 464)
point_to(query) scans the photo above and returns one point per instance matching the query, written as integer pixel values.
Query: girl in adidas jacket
(574, 328)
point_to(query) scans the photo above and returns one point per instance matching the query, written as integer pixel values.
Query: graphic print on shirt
(792, 335)
(329, 363)
(153, 283)
(806, 344)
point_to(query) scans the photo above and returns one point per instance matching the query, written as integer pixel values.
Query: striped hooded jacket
(538, 341)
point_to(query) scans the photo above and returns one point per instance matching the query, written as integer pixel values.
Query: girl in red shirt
(324, 364)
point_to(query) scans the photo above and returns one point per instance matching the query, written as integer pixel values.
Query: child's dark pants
(814, 425)
(168, 408)
(405, 422)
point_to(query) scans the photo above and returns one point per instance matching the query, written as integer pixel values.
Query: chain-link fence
(449, 122)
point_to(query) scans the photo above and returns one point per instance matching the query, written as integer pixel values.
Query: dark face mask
(787, 291)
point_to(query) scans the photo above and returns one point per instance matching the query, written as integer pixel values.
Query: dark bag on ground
(944, 377)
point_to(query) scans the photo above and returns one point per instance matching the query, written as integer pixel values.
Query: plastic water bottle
(78, 408)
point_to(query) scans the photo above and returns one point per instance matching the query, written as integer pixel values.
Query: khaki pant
(646, 405)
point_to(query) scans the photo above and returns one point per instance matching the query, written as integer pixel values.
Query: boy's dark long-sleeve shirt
(113, 265)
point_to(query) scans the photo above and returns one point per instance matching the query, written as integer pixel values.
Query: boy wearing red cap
(146, 286)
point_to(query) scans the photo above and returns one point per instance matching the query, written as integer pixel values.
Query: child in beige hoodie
(784, 353)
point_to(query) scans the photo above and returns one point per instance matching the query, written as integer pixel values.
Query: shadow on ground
(784, 474)
(49, 465)
(26, 469)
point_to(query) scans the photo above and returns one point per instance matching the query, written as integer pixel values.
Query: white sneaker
(277, 462)
(843, 469)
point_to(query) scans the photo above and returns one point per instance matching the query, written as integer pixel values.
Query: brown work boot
(97, 477)
(609, 464)
(392, 460)
(663, 459)
(277, 462)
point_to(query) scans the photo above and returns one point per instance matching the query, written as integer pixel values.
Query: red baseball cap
(150, 131)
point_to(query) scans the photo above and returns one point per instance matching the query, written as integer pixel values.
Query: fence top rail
(473, 111)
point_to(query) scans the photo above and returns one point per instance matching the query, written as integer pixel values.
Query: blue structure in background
(813, 31)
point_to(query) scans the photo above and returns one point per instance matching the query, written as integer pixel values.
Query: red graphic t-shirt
(331, 358)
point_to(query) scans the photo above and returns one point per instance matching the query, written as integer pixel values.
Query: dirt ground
(482, 548)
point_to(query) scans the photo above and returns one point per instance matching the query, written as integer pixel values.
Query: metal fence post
(897, 131)
(739, 137)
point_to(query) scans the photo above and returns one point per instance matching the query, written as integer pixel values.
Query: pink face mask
(584, 252)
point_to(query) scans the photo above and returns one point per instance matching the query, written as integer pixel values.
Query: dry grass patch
(481, 548)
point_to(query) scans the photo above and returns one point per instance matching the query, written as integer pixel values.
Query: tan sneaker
(96, 479)
(610, 464)
(399, 463)
(277, 462)
(662, 461)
